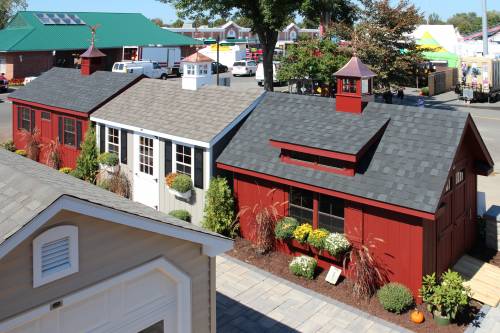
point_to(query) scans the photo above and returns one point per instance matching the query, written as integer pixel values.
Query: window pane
(183, 159)
(301, 214)
(332, 206)
(301, 198)
(146, 153)
(69, 132)
(45, 115)
(26, 119)
(331, 223)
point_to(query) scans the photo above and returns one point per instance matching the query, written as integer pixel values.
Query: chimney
(91, 60)
(197, 71)
(354, 86)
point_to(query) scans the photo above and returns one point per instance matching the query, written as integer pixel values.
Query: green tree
(177, 23)
(87, 166)
(199, 21)
(493, 18)
(312, 59)
(158, 22)
(266, 19)
(434, 19)
(466, 23)
(217, 22)
(242, 21)
(382, 40)
(219, 208)
(326, 12)
(8, 8)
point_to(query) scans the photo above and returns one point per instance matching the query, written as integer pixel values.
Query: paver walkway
(488, 321)
(252, 300)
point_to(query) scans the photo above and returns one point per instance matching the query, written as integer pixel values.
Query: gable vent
(55, 256)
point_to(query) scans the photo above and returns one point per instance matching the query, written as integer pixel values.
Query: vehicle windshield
(239, 63)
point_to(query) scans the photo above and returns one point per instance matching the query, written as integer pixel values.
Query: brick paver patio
(252, 300)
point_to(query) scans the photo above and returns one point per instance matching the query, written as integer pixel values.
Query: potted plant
(303, 266)
(300, 235)
(108, 162)
(336, 245)
(285, 227)
(316, 239)
(179, 185)
(447, 298)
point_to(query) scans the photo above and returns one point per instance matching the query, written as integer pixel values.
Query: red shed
(60, 101)
(396, 177)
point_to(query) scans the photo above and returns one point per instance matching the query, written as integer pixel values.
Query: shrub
(169, 179)
(285, 227)
(104, 184)
(181, 214)
(302, 232)
(65, 170)
(8, 145)
(182, 183)
(109, 159)
(32, 139)
(365, 275)
(21, 152)
(395, 297)
(425, 91)
(87, 166)
(336, 244)
(317, 238)
(219, 208)
(52, 153)
(119, 184)
(448, 297)
(303, 266)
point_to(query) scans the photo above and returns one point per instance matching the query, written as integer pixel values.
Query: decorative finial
(93, 29)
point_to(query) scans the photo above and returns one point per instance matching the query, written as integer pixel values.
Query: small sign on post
(333, 275)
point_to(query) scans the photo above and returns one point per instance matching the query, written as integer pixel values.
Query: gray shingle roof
(67, 88)
(27, 188)
(164, 107)
(408, 167)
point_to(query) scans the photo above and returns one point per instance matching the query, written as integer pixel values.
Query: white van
(259, 76)
(151, 69)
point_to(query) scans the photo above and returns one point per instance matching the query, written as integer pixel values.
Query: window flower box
(299, 247)
(185, 195)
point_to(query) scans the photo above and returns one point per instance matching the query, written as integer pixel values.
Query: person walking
(401, 94)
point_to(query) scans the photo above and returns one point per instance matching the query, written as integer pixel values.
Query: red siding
(49, 131)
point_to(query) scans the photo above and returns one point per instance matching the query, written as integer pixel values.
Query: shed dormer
(197, 71)
(354, 86)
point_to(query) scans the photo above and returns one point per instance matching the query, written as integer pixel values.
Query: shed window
(301, 205)
(448, 185)
(146, 154)
(45, 115)
(55, 254)
(459, 176)
(25, 118)
(331, 213)
(349, 86)
(183, 159)
(113, 140)
(203, 69)
(69, 132)
(190, 69)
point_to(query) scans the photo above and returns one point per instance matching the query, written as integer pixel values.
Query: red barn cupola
(92, 60)
(354, 86)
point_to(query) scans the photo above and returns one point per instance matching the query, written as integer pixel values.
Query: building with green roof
(33, 41)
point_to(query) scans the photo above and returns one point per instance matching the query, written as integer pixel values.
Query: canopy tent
(434, 51)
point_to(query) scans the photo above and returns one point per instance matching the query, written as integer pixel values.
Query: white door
(140, 304)
(3, 65)
(146, 185)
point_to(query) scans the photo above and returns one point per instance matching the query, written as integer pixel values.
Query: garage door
(145, 304)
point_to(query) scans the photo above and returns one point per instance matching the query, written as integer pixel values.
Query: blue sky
(153, 8)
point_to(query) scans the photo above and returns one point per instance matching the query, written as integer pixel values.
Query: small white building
(162, 127)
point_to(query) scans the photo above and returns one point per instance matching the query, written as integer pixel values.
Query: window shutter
(78, 134)
(123, 146)
(198, 167)
(102, 138)
(60, 129)
(168, 157)
(19, 117)
(55, 256)
(32, 122)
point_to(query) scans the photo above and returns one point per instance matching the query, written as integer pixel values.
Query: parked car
(4, 83)
(244, 67)
(151, 69)
(259, 75)
(222, 68)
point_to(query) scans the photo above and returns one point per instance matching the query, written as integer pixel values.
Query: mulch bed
(277, 264)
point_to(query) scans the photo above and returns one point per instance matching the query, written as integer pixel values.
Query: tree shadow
(234, 317)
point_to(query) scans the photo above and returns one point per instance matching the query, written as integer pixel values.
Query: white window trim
(106, 149)
(174, 157)
(48, 236)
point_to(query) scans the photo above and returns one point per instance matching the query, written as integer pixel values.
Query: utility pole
(485, 29)
(217, 65)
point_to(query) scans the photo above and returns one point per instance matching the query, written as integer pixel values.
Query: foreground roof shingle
(164, 107)
(27, 188)
(68, 89)
(408, 167)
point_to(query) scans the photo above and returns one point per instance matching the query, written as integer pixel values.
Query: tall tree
(466, 23)
(241, 21)
(326, 12)
(8, 8)
(87, 166)
(266, 19)
(217, 22)
(382, 39)
(158, 22)
(434, 19)
(177, 23)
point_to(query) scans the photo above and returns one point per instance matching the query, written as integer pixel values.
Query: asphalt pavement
(5, 118)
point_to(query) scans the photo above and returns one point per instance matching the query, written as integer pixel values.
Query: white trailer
(168, 57)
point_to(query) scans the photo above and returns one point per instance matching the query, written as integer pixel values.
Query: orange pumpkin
(417, 317)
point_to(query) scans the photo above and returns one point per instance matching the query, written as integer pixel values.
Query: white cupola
(197, 71)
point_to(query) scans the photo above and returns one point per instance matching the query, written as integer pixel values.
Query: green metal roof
(25, 32)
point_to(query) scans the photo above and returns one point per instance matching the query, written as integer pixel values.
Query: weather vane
(93, 29)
